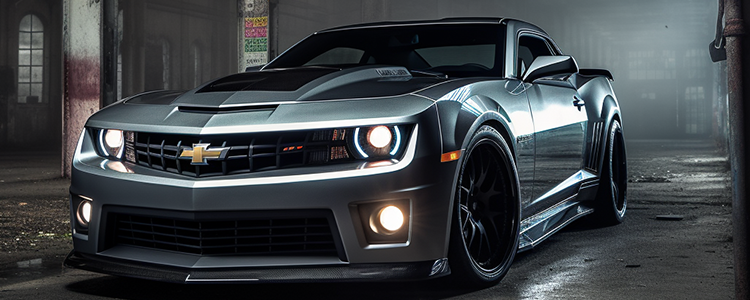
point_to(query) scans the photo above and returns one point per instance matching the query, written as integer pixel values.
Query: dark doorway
(30, 70)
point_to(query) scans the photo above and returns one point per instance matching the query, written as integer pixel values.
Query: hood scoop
(227, 109)
(262, 90)
(272, 80)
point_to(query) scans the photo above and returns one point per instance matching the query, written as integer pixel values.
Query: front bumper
(419, 180)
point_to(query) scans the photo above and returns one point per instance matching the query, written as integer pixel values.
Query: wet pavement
(675, 243)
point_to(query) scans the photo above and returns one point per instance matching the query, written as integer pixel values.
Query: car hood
(288, 99)
(299, 84)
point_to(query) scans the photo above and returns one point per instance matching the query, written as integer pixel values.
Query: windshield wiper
(430, 73)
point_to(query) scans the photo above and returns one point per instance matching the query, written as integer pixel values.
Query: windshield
(456, 50)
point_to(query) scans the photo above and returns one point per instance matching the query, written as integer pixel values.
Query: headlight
(377, 142)
(111, 143)
(379, 137)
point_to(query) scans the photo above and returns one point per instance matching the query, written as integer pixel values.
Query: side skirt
(539, 227)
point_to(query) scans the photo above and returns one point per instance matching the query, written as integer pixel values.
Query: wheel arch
(602, 107)
(458, 129)
(610, 112)
(487, 130)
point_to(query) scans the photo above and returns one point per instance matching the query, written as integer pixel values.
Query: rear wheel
(484, 231)
(611, 202)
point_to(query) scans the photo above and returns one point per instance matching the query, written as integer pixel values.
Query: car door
(559, 122)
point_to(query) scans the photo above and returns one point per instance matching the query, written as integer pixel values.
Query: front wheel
(485, 225)
(611, 202)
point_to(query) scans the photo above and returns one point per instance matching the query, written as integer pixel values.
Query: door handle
(577, 102)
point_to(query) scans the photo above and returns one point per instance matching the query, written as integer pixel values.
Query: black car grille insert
(278, 236)
(230, 154)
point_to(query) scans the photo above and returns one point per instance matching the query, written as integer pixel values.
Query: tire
(486, 212)
(611, 200)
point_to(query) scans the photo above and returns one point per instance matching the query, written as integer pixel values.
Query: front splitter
(337, 273)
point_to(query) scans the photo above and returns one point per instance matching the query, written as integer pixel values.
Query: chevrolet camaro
(383, 151)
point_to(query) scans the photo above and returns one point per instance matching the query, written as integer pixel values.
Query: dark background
(656, 49)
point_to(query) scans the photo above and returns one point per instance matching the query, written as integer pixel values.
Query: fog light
(391, 218)
(84, 213)
(383, 222)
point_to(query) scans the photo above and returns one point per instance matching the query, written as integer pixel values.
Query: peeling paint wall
(82, 55)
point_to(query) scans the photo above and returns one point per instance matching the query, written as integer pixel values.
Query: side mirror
(254, 68)
(550, 65)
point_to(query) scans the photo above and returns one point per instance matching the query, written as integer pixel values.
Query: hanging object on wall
(254, 34)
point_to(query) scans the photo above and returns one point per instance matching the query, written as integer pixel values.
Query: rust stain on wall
(83, 77)
(82, 90)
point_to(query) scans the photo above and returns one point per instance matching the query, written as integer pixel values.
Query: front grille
(244, 153)
(276, 235)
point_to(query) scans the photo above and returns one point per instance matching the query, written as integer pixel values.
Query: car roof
(418, 22)
(463, 20)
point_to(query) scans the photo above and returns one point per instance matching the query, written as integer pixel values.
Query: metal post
(734, 32)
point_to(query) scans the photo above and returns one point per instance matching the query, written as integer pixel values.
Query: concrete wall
(209, 26)
(82, 43)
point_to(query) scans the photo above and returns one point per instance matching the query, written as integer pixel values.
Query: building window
(30, 60)
(698, 117)
(696, 64)
(652, 65)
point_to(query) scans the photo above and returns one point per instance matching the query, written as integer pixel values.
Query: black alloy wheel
(613, 184)
(484, 237)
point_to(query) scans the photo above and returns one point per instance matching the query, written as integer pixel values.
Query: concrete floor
(646, 257)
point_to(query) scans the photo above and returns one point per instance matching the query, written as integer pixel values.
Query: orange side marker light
(450, 156)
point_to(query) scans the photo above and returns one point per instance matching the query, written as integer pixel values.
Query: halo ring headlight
(379, 136)
(379, 142)
(113, 138)
(111, 142)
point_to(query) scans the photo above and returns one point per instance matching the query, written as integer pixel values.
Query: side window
(482, 56)
(529, 47)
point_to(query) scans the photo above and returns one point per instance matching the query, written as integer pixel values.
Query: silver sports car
(383, 151)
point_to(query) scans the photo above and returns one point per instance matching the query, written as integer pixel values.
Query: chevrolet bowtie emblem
(200, 154)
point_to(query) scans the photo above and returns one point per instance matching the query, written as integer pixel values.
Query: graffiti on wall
(255, 33)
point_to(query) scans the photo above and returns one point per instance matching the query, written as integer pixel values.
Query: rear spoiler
(596, 72)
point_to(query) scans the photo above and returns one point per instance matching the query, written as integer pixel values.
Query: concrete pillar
(273, 29)
(82, 55)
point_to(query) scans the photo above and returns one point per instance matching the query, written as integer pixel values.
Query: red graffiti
(82, 78)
